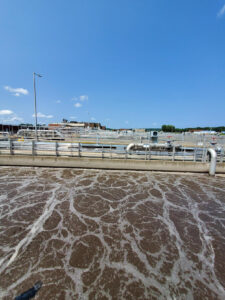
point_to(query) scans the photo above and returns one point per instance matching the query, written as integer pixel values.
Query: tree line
(172, 128)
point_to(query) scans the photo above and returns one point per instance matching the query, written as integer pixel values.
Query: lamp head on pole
(38, 74)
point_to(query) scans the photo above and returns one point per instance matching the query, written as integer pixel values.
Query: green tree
(168, 128)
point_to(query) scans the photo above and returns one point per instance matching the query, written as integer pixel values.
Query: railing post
(204, 155)
(33, 147)
(56, 149)
(102, 152)
(149, 155)
(79, 149)
(126, 153)
(11, 147)
(173, 156)
(221, 155)
(111, 151)
(71, 147)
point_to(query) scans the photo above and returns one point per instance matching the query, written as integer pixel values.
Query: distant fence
(35, 148)
(99, 135)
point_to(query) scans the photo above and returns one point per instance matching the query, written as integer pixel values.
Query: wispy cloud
(93, 119)
(126, 122)
(13, 119)
(16, 91)
(221, 12)
(72, 117)
(6, 112)
(41, 115)
(58, 101)
(77, 104)
(81, 98)
(10, 116)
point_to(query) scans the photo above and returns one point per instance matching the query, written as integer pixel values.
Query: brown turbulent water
(91, 234)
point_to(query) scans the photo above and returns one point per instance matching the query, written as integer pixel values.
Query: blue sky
(124, 63)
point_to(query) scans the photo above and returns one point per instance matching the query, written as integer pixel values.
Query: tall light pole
(35, 104)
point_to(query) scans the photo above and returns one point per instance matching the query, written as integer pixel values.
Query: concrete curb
(105, 163)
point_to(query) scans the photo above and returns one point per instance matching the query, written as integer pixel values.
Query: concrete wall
(220, 168)
(116, 164)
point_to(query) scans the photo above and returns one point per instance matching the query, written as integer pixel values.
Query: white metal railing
(104, 151)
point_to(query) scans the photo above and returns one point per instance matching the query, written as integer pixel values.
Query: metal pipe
(212, 166)
(130, 146)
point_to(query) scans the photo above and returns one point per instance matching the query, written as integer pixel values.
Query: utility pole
(35, 104)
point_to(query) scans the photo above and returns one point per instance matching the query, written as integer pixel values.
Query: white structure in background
(41, 134)
(205, 132)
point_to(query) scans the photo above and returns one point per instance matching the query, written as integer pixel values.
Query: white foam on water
(135, 218)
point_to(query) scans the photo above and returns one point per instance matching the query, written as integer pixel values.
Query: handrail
(147, 152)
